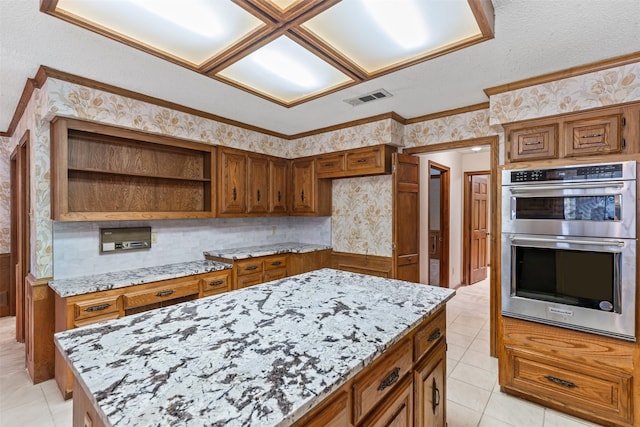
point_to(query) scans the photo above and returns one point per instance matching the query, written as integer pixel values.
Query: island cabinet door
(396, 410)
(429, 379)
(335, 413)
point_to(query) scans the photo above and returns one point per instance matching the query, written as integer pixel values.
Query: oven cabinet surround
(87, 300)
(258, 264)
(611, 130)
(310, 349)
(102, 172)
(586, 375)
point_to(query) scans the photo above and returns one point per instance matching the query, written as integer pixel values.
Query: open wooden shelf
(102, 172)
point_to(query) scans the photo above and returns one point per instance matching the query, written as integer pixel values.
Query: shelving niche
(102, 172)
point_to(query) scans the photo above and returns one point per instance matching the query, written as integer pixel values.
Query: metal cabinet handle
(279, 196)
(533, 142)
(595, 135)
(435, 396)
(98, 307)
(390, 379)
(434, 335)
(165, 293)
(276, 263)
(235, 194)
(258, 195)
(329, 164)
(216, 282)
(251, 267)
(302, 195)
(560, 381)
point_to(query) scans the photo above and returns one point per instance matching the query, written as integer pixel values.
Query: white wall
(76, 244)
(458, 162)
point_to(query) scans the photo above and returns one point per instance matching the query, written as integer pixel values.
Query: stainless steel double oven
(569, 247)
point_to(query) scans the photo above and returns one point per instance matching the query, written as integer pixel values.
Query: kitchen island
(272, 354)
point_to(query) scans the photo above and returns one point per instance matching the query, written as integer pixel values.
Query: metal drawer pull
(279, 196)
(165, 293)
(434, 335)
(258, 195)
(302, 196)
(329, 164)
(363, 160)
(390, 379)
(595, 135)
(435, 396)
(276, 263)
(251, 267)
(235, 193)
(98, 307)
(561, 381)
(533, 143)
(216, 282)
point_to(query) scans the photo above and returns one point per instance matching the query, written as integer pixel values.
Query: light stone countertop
(265, 250)
(259, 356)
(121, 279)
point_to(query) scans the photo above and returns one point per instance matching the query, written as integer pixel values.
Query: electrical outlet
(273, 230)
(154, 238)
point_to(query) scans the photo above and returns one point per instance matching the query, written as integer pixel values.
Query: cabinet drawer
(533, 143)
(276, 274)
(160, 294)
(429, 335)
(247, 280)
(330, 165)
(249, 266)
(275, 263)
(396, 411)
(599, 135)
(594, 391)
(215, 284)
(378, 380)
(366, 159)
(96, 307)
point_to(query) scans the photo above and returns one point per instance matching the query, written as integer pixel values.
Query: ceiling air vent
(368, 97)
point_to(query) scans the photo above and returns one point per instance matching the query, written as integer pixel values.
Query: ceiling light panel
(377, 34)
(191, 30)
(284, 70)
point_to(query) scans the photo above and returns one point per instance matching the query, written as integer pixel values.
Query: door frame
(494, 256)
(445, 220)
(466, 221)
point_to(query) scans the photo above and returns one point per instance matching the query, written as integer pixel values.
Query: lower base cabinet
(405, 386)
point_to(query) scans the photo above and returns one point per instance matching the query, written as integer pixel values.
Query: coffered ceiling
(287, 51)
(531, 38)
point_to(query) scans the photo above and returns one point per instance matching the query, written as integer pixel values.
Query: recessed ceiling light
(476, 149)
(401, 20)
(282, 65)
(193, 15)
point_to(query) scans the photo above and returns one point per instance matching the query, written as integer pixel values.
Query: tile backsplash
(76, 245)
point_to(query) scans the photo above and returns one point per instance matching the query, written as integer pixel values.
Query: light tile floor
(473, 394)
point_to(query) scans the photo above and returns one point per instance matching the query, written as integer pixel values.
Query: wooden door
(302, 179)
(476, 227)
(442, 173)
(233, 176)
(278, 178)
(406, 217)
(430, 396)
(258, 184)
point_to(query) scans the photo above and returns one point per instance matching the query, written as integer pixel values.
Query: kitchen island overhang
(264, 355)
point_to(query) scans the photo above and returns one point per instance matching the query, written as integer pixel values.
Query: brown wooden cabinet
(101, 172)
(374, 160)
(595, 134)
(258, 184)
(310, 196)
(582, 374)
(309, 261)
(279, 186)
(81, 310)
(232, 181)
(535, 142)
(405, 386)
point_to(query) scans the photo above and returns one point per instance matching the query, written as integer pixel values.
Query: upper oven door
(591, 208)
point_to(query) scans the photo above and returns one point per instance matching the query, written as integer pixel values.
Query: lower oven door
(575, 282)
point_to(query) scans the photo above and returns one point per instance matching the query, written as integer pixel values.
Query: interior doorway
(20, 230)
(438, 224)
(476, 227)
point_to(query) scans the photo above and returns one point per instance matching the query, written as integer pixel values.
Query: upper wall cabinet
(600, 132)
(375, 160)
(310, 196)
(101, 172)
(251, 184)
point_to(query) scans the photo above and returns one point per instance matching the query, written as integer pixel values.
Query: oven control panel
(571, 173)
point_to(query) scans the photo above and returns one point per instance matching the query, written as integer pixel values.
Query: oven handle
(584, 186)
(619, 243)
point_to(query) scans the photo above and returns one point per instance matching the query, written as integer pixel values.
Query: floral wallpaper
(602, 88)
(361, 221)
(474, 124)
(5, 195)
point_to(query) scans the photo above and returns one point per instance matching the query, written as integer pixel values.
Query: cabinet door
(430, 395)
(278, 178)
(597, 135)
(532, 143)
(303, 178)
(258, 180)
(233, 173)
(397, 410)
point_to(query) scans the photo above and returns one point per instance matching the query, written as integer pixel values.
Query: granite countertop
(265, 250)
(121, 279)
(263, 355)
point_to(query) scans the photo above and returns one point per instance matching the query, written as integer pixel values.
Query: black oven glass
(580, 278)
(572, 208)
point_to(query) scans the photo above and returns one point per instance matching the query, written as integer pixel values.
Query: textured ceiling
(532, 37)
